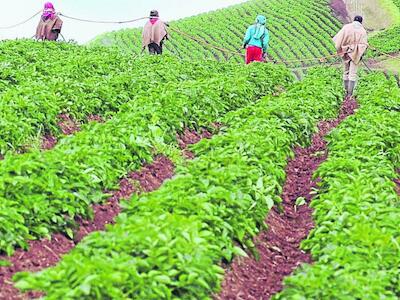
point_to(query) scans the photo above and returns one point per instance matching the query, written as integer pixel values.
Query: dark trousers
(155, 49)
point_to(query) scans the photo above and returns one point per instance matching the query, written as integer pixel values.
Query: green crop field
(387, 41)
(357, 238)
(301, 33)
(38, 85)
(147, 113)
(194, 176)
(299, 30)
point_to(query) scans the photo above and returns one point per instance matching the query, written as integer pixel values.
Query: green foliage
(42, 80)
(387, 41)
(356, 241)
(299, 29)
(168, 244)
(42, 192)
(4, 263)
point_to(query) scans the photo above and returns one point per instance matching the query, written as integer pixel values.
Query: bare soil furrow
(45, 253)
(279, 246)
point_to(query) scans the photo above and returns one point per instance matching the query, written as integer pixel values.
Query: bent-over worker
(256, 40)
(351, 43)
(154, 33)
(50, 24)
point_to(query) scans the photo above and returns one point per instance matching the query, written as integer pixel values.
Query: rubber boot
(346, 86)
(351, 86)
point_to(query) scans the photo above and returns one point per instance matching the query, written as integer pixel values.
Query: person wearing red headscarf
(154, 34)
(50, 24)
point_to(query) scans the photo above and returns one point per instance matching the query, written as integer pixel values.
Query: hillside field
(194, 176)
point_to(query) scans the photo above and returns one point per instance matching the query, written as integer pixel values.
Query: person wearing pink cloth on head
(50, 24)
(154, 34)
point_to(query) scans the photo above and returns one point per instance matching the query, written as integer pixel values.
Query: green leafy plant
(299, 29)
(168, 244)
(43, 80)
(386, 42)
(300, 201)
(4, 263)
(355, 243)
(43, 192)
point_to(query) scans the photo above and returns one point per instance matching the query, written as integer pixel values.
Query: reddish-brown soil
(148, 179)
(48, 142)
(190, 137)
(67, 125)
(95, 118)
(46, 253)
(279, 246)
(340, 10)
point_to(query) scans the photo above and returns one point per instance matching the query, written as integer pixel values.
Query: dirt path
(45, 253)
(377, 14)
(339, 9)
(279, 246)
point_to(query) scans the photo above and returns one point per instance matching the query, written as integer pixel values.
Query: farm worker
(154, 34)
(256, 40)
(351, 43)
(50, 24)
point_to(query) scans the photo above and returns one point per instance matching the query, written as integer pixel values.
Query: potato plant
(296, 31)
(42, 192)
(356, 240)
(169, 244)
(42, 80)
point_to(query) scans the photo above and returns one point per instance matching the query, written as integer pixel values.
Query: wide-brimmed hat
(154, 13)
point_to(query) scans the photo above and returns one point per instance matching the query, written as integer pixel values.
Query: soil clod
(67, 125)
(48, 142)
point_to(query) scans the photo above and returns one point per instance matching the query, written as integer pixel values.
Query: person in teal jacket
(256, 40)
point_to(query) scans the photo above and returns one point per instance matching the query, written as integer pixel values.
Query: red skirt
(253, 53)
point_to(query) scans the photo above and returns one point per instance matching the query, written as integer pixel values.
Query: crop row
(356, 240)
(297, 31)
(39, 81)
(169, 244)
(387, 41)
(41, 192)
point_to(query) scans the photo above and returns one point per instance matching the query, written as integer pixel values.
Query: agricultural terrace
(387, 41)
(193, 176)
(301, 33)
(299, 30)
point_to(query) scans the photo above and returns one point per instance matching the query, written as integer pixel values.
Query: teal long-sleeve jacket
(250, 40)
